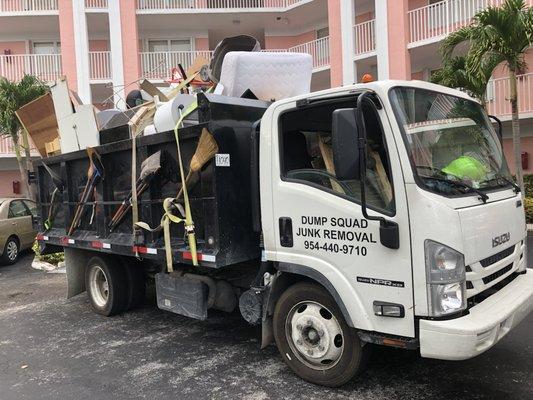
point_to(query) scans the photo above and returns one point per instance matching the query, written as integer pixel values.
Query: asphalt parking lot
(52, 348)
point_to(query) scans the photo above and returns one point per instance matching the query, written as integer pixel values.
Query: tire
(313, 337)
(136, 284)
(11, 251)
(107, 285)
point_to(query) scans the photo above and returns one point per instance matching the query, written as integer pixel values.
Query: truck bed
(220, 196)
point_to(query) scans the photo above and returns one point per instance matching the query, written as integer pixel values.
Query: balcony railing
(47, 67)
(498, 95)
(188, 5)
(27, 6)
(439, 19)
(92, 4)
(158, 65)
(100, 65)
(365, 37)
(319, 50)
(7, 148)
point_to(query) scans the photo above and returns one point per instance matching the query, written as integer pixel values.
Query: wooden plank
(152, 90)
(39, 119)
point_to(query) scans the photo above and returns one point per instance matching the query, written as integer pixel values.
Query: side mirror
(344, 141)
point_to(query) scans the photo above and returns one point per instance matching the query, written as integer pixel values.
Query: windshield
(451, 143)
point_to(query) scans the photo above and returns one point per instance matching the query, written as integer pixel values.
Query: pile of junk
(59, 123)
(241, 81)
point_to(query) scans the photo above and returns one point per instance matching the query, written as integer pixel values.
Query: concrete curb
(47, 267)
(530, 228)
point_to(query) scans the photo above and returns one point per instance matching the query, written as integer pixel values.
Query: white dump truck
(380, 213)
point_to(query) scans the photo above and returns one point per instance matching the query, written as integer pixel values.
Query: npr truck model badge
(499, 240)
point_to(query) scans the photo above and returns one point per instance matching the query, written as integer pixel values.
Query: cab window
(307, 155)
(18, 209)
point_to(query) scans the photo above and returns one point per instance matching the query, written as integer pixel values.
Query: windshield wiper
(482, 196)
(516, 188)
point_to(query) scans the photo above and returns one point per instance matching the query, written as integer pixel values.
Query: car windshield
(451, 143)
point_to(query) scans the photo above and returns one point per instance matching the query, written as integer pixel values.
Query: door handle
(285, 232)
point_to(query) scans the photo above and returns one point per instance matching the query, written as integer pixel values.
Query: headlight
(446, 274)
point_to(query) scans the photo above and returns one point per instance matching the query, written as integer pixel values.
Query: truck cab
(396, 199)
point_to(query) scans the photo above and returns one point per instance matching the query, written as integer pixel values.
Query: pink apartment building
(105, 46)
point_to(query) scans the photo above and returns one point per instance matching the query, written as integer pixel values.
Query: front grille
(497, 274)
(487, 262)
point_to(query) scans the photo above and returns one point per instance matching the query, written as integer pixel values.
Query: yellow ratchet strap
(168, 216)
(189, 224)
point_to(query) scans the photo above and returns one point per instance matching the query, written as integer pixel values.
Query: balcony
(7, 148)
(158, 66)
(96, 5)
(46, 67)
(365, 39)
(191, 6)
(498, 96)
(433, 22)
(100, 66)
(28, 7)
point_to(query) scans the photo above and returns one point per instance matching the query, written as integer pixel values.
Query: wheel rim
(12, 250)
(99, 286)
(314, 335)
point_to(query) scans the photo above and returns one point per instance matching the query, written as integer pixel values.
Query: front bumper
(483, 327)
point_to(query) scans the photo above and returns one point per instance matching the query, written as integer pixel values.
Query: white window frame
(56, 45)
(146, 42)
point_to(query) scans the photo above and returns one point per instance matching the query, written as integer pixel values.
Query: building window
(51, 47)
(165, 45)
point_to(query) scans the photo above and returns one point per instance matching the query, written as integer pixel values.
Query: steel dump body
(220, 196)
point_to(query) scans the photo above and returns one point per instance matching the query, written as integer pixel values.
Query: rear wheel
(107, 285)
(313, 338)
(11, 251)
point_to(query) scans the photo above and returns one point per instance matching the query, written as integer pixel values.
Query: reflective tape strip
(96, 244)
(144, 250)
(201, 257)
(71, 241)
(106, 245)
(208, 258)
(46, 238)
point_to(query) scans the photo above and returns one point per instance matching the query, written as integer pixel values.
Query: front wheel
(313, 338)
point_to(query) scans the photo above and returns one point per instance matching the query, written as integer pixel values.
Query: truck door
(317, 226)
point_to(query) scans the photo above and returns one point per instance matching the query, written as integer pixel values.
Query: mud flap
(75, 262)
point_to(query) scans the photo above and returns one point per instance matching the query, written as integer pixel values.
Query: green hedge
(528, 205)
(528, 185)
(54, 258)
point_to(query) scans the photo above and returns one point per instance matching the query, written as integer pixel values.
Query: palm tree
(14, 95)
(503, 34)
(454, 74)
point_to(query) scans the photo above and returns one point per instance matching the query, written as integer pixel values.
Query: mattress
(269, 75)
